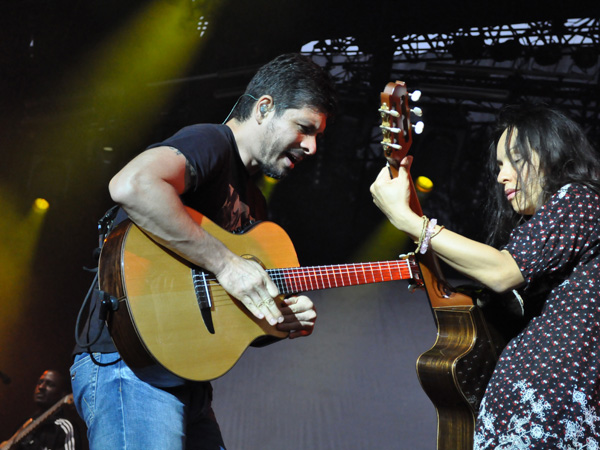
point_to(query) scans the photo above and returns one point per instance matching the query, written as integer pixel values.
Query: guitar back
(456, 370)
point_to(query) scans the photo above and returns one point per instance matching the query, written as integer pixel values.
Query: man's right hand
(247, 281)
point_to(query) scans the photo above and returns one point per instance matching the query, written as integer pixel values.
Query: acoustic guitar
(172, 320)
(32, 424)
(455, 371)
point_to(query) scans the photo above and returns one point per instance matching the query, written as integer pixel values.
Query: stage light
(424, 184)
(266, 185)
(17, 255)
(40, 205)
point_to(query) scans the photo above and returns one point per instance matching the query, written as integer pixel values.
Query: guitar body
(175, 322)
(455, 371)
(158, 323)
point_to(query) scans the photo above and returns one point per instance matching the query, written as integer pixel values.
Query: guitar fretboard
(301, 279)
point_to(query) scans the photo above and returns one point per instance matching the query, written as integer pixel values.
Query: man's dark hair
(565, 156)
(294, 81)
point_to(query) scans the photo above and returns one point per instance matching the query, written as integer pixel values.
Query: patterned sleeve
(558, 234)
(66, 435)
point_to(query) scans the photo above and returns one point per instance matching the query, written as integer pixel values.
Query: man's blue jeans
(123, 412)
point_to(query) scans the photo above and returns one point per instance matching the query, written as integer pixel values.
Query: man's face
(288, 139)
(49, 389)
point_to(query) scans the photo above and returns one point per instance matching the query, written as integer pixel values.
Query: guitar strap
(105, 226)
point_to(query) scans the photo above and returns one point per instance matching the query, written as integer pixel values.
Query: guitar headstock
(395, 122)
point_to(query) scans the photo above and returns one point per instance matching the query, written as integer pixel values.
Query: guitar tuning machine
(415, 96)
(389, 112)
(418, 127)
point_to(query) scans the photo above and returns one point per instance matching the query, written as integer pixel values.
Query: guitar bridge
(203, 297)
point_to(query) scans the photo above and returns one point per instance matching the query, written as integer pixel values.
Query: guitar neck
(301, 279)
(34, 424)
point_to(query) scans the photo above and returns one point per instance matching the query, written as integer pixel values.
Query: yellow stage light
(424, 184)
(266, 185)
(40, 205)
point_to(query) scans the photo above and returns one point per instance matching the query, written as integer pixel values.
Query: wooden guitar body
(455, 371)
(159, 324)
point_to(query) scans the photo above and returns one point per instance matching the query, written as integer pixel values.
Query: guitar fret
(374, 267)
(302, 279)
(323, 277)
(294, 287)
(317, 278)
(308, 278)
(349, 275)
(332, 279)
(279, 281)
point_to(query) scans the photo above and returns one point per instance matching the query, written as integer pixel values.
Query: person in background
(50, 428)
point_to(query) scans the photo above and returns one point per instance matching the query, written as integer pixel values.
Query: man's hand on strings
(247, 281)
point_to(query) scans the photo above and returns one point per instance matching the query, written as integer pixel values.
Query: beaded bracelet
(423, 233)
(428, 232)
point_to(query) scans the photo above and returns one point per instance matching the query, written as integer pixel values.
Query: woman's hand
(392, 197)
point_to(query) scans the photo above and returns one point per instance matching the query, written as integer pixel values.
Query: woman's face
(523, 192)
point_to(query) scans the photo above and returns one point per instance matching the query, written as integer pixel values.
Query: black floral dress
(545, 391)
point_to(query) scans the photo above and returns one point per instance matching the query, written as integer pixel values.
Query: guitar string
(337, 270)
(297, 279)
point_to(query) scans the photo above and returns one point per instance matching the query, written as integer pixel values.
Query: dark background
(56, 126)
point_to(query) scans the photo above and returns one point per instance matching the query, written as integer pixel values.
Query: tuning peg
(418, 127)
(391, 145)
(417, 111)
(415, 96)
(394, 130)
(389, 112)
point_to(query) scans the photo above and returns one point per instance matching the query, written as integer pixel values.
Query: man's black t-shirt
(223, 191)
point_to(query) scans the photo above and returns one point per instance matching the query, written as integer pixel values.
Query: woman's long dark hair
(565, 156)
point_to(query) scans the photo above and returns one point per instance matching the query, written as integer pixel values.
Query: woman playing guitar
(543, 393)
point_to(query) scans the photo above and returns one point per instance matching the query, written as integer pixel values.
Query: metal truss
(479, 69)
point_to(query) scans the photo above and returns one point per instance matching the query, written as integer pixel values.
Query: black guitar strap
(105, 226)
